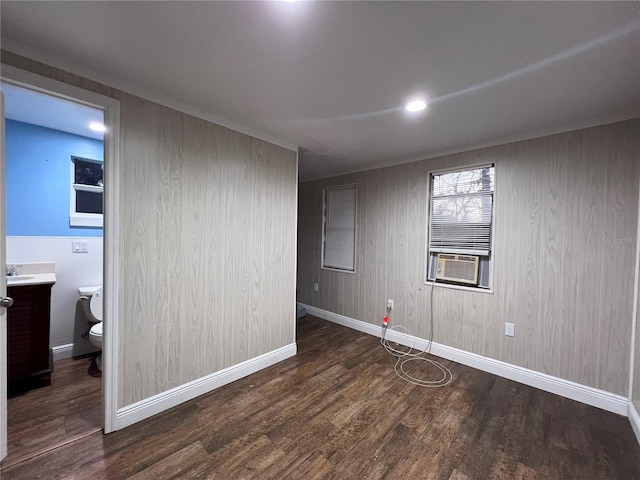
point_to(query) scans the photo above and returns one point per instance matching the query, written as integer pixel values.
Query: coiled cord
(403, 357)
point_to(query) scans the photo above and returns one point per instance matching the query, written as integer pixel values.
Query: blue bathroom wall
(38, 174)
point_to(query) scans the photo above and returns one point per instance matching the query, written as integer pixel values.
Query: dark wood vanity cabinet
(28, 351)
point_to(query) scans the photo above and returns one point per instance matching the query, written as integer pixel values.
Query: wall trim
(295, 252)
(634, 312)
(163, 401)
(71, 350)
(634, 419)
(565, 388)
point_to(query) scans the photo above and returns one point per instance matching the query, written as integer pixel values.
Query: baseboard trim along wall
(73, 350)
(634, 418)
(163, 401)
(565, 388)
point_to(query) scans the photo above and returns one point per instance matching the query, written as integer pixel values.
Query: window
(460, 226)
(339, 228)
(86, 192)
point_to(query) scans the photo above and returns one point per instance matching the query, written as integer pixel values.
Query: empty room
(320, 240)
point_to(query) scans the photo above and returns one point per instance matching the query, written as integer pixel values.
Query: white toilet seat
(96, 305)
(95, 335)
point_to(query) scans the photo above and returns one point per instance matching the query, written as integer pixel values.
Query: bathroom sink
(33, 274)
(18, 278)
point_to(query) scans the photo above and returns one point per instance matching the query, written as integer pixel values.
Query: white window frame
(81, 219)
(428, 279)
(324, 222)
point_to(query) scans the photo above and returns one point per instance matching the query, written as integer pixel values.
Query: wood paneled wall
(207, 225)
(564, 251)
(209, 247)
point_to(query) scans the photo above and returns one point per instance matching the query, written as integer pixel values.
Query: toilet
(91, 299)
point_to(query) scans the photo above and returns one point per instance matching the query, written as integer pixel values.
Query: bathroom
(49, 150)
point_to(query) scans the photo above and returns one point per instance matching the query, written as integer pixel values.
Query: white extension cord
(403, 357)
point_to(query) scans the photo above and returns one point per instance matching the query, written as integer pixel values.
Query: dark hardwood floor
(337, 411)
(43, 418)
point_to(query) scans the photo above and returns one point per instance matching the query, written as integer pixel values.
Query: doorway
(51, 362)
(110, 109)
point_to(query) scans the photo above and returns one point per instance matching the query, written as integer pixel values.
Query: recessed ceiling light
(415, 105)
(97, 127)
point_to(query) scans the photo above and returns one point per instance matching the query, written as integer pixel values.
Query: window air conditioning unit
(457, 268)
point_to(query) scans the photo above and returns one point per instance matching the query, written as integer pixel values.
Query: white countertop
(31, 279)
(33, 274)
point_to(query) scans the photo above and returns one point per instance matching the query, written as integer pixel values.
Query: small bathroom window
(86, 192)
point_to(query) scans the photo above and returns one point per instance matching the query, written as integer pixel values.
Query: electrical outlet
(390, 304)
(509, 329)
(315, 287)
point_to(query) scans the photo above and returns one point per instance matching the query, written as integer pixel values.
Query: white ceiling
(331, 76)
(36, 108)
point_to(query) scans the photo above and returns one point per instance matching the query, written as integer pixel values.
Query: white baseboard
(634, 419)
(73, 350)
(565, 388)
(163, 401)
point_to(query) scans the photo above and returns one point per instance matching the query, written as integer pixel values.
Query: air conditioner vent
(458, 268)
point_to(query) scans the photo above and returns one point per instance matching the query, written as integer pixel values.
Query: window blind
(461, 211)
(340, 228)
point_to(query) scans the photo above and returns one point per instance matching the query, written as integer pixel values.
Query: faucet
(13, 271)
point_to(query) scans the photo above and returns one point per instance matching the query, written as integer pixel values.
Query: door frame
(3, 291)
(112, 158)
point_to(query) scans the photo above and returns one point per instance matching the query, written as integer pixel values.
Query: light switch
(79, 246)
